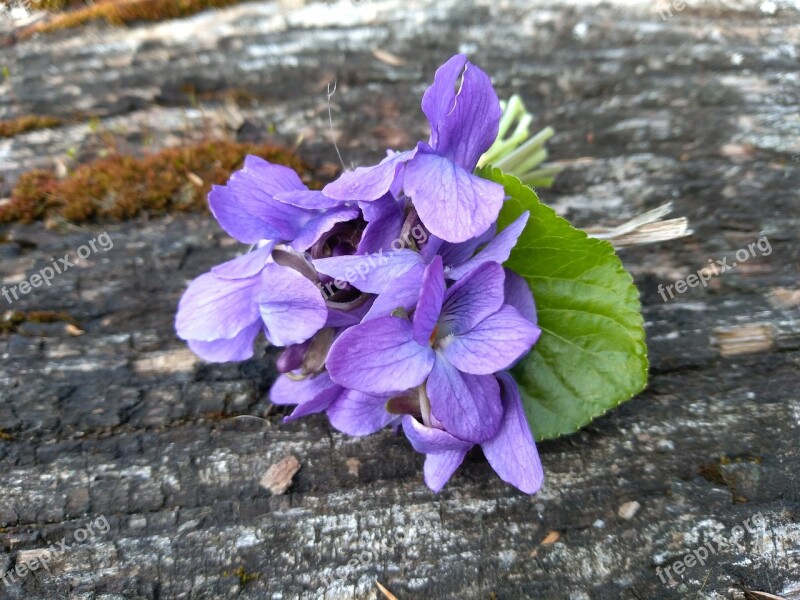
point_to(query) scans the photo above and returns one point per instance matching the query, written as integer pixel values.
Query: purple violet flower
(263, 201)
(351, 412)
(397, 275)
(452, 203)
(381, 329)
(223, 311)
(458, 338)
(221, 316)
(511, 452)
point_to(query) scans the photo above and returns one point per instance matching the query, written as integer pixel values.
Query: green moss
(25, 123)
(121, 187)
(120, 12)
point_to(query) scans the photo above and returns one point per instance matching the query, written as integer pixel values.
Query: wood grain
(123, 422)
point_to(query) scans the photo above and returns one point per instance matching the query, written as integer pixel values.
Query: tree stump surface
(123, 425)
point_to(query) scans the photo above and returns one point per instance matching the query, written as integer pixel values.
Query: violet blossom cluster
(386, 289)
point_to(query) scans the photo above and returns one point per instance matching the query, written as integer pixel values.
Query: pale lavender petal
(357, 413)
(284, 219)
(286, 390)
(312, 395)
(512, 452)
(455, 255)
(255, 186)
(368, 183)
(291, 306)
(237, 348)
(247, 265)
(444, 452)
(384, 220)
(214, 308)
(428, 440)
(467, 131)
(432, 248)
(291, 359)
(440, 467)
(272, 179)
(402, 292)
(440, 98)
(379, 357)
(338, 318)
(493, 344)
(497, 250)
(370, 273)
(451, 202)
(472, 299)
(308, 199)
(317, 405)
(518, 294)
(467, 405)
(429, 305)
(342, 318)
(396, 189)
(313, 228)
(237, 217)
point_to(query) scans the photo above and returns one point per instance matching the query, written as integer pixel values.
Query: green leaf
(591, 355)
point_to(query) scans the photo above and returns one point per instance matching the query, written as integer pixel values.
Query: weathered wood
(123, 423)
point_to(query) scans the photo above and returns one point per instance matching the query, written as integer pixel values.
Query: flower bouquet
(432, 293)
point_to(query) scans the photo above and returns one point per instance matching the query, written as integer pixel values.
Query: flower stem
(514, 151)
(526, 150)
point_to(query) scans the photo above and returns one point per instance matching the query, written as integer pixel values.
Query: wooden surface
(123, 423)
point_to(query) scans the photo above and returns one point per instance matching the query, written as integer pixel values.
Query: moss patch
(25, 123)
(57, 5)
(121, 12)
(121, 187)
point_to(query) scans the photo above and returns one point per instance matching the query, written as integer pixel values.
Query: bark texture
(123, 424)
